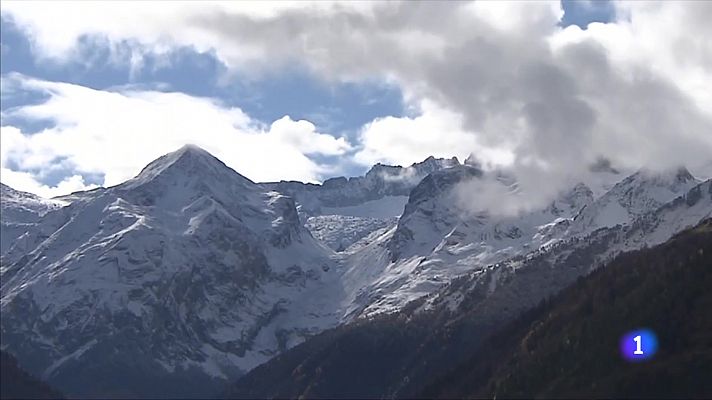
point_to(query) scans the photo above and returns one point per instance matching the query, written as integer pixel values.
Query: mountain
(664, 288)
(159, 286)
(397, 354)
(443, 234)
(189, 275)
(357, 205)
(20, 211)
(18, 384)
(633, 197)
(379, 182)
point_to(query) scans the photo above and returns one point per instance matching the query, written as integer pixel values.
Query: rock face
(342, 211)
(633, 197)
(380, 181)
(159, 279)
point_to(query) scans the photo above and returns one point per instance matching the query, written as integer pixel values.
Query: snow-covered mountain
(190, 274)
(20, 211)
(436, 239)
(501, 291)
(167, 277)
(632, 197)
(342, 210)
(379, 182)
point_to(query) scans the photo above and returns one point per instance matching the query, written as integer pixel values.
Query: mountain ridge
(209, 274)
(439, 353)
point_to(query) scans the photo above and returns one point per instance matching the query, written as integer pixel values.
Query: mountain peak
(178, 178)
(11, 194)
(667, 177)
(191, 152)
(192, 148)
(189, 160)
(683, 175)
(603, 164)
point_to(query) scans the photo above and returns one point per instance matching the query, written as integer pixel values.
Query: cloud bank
(502, 80)
(115, 134)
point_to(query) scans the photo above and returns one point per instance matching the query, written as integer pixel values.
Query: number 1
(638, 341)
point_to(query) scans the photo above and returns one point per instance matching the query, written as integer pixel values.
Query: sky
(92, 92)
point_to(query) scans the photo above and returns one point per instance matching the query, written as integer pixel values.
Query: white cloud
(668, 39)
(501, 79)
(57, 27)
(434, 132)
(27, 182)
(118, 133)
(302, 135)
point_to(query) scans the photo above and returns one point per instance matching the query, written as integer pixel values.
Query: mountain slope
(568, 346)
(357, 205)
(438, 238)
(379, 182)
(341, 231)
(434, 333)
(20, 211)
(634, 196)
(169, 277)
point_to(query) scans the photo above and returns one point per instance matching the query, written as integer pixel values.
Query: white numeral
(639, 343)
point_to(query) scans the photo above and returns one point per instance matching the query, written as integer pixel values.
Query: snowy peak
(646, 187)
(683, 212)
(18, 212)
(439, 183)
(431, 211)
(177, 179)
(14, 197)
(432, 164)
(634, 196)
(183, 267)
(672, 178)
(188, 161)
(414, 173)
(380, 181)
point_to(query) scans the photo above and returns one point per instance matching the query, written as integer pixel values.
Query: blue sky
(340, 108)
(333, 107)
(582, 13)
(355, 105)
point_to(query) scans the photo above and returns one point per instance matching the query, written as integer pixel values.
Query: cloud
(302, 135)
(27, 182)
(116, 133)
(433, 132)
(501, 79)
